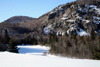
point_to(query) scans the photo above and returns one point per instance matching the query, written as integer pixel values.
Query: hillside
(19, 25)
(89, 2)
(19, 19)
(70, 29)
(72, 18)
(66, 18)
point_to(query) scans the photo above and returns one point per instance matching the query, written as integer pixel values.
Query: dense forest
(67, 45)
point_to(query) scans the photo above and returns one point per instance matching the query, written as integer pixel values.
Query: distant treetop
(88, 1)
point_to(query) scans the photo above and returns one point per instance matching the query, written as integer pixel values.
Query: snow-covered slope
(74, 17)
(27, 59)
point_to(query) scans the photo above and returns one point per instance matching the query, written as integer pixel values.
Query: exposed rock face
(76, 19)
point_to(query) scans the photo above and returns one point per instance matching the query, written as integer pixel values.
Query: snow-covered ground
(29, 58)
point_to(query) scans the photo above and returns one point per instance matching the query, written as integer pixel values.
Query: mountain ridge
(61, 20)
(19, 19)
(70, 30)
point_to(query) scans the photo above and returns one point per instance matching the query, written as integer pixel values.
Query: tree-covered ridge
(88, 1)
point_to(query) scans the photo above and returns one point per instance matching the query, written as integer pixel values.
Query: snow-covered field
(32, 56)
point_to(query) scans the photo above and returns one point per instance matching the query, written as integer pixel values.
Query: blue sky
(31, 8)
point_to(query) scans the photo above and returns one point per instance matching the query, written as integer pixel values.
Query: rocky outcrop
(80, 20)
(70, 18)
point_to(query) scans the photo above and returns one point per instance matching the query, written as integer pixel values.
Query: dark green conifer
(92, 34)
(12, 46)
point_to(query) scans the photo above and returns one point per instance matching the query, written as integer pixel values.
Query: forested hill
(71, 29)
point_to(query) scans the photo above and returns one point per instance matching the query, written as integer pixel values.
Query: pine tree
(96, 51)
(68, 44)
(53, 37)
(35, 41)
(41, 40)
(92, 34)
(0, 47)
(12, 46)
(5, 36)
(5, 40)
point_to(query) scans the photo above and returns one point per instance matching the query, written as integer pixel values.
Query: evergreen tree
(99, 41)
(12, 46)
(68, 44)
(96, 51)
(53, 37)
(0, 47)
(92, 34)
(96, 54)
(5, 40)
(5, 36)
(41, 40)
(35, 41)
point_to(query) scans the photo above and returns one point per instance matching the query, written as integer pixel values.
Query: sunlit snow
(27, 57)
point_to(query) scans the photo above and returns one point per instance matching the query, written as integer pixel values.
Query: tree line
(10, 43)
(76, 46)
(66, 45)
